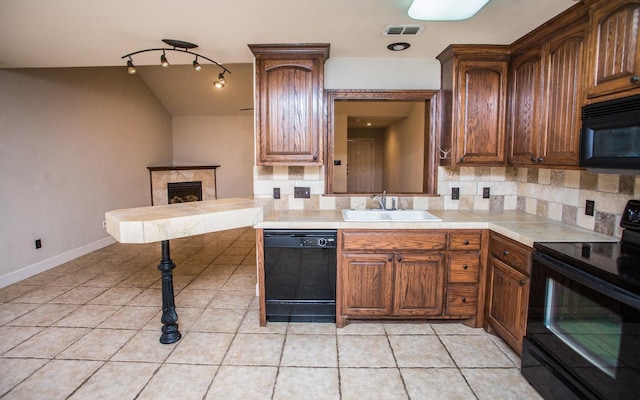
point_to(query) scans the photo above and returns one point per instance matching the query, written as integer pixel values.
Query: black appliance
(300, 275)
(583, 325)
(610, 136)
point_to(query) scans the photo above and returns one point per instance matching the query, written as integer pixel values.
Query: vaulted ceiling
(73, 33)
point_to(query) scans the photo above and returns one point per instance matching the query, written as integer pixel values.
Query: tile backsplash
(556, 194)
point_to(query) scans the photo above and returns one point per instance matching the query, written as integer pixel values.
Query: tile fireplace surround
(162, 175)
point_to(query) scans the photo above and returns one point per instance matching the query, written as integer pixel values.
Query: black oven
(610, 136)
(583, 326)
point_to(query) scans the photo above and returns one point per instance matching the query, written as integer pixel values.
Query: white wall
(225, 141)
(74, 143)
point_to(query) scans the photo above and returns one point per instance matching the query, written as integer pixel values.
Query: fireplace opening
(184, 192)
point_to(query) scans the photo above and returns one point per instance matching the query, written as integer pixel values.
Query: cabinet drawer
(511, 253)
(465, 240)
(462, 301)
(464, 268)
(393, 240)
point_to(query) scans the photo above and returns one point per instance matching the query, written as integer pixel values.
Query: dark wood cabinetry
(546, 93)
(509, 270)
(614, 57)
(289, 103)
(474, 103)
(409, 275)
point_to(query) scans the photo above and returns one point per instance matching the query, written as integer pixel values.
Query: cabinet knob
(464, 299)
(390, 258)
(522, 282)
(461, 159)
(465, 266)
(533, 159)
(466, 242)
(315, 157)
(399, 258)
(635, 79)
(506, 252)
(540, 159)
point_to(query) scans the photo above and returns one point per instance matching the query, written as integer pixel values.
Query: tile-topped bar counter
(517, 225)
(165, 222)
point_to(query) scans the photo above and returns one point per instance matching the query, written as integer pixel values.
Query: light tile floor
(89, 329)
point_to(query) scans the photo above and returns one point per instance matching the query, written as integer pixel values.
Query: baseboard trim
(34, 269)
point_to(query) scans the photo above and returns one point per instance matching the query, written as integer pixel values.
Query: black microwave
(610, 136)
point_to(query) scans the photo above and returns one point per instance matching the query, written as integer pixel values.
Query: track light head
(131, 69)
(163, 60)
(221, 78)
(197, 66)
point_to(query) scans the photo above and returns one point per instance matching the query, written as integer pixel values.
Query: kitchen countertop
(172, 221)
(519, 226)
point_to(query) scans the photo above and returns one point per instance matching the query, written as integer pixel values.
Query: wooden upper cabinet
(474, 103)
(289, 103)
(525, 107)
(614, 60)
(545, 98)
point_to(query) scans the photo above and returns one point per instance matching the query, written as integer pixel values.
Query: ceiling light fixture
(442, 10)
(196, 65)
(398, 46)
(181, 47)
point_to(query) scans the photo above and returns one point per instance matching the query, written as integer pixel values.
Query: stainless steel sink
(389, 215)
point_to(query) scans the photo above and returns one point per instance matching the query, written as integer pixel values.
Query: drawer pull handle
(466, 242)
(522, 282)
(506, 252)
(465, 266)
(464, 299)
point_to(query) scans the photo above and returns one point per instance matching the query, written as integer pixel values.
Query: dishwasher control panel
(300, 238)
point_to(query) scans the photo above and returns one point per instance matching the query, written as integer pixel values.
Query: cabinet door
(288, 111)
(525, 107)
(614, 63)
(418, 284)
(508, 294)
(367, 284)
(482, 89)
(563, 94)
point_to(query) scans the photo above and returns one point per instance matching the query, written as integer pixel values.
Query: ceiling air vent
(402, 30)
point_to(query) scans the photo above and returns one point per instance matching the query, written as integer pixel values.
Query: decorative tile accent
(627, 184)
(588, 181)
(557, 177)
(296, 173)
(532, 175)
(605, 223)
(542, 208)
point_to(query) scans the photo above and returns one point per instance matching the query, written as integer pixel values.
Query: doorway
(360, 165)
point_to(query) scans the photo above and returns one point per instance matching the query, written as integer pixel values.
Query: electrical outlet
(302, 192)
(104, 224)
(276, 193)
(486, 193)
(455, 193)
(590, 207)
(38, 243)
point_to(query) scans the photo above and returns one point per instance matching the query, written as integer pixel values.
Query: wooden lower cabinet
(409, 275)
(509, 271)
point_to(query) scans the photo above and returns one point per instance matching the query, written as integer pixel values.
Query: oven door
(587, 329)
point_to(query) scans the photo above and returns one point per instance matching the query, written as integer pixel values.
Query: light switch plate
(455, 193)
(302, 192)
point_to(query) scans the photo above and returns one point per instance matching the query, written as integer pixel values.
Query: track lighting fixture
(163, 60)
(182, 47)
(131, 69)
(197, 66)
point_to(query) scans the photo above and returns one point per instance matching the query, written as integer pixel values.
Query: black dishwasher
(300, 275)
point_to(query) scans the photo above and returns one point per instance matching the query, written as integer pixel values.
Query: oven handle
(589, 280)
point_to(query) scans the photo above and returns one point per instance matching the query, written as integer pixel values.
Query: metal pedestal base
(170, 332)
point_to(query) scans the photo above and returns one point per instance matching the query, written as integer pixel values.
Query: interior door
(360, 168)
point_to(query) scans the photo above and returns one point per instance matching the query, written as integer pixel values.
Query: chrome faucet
(382, 200)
